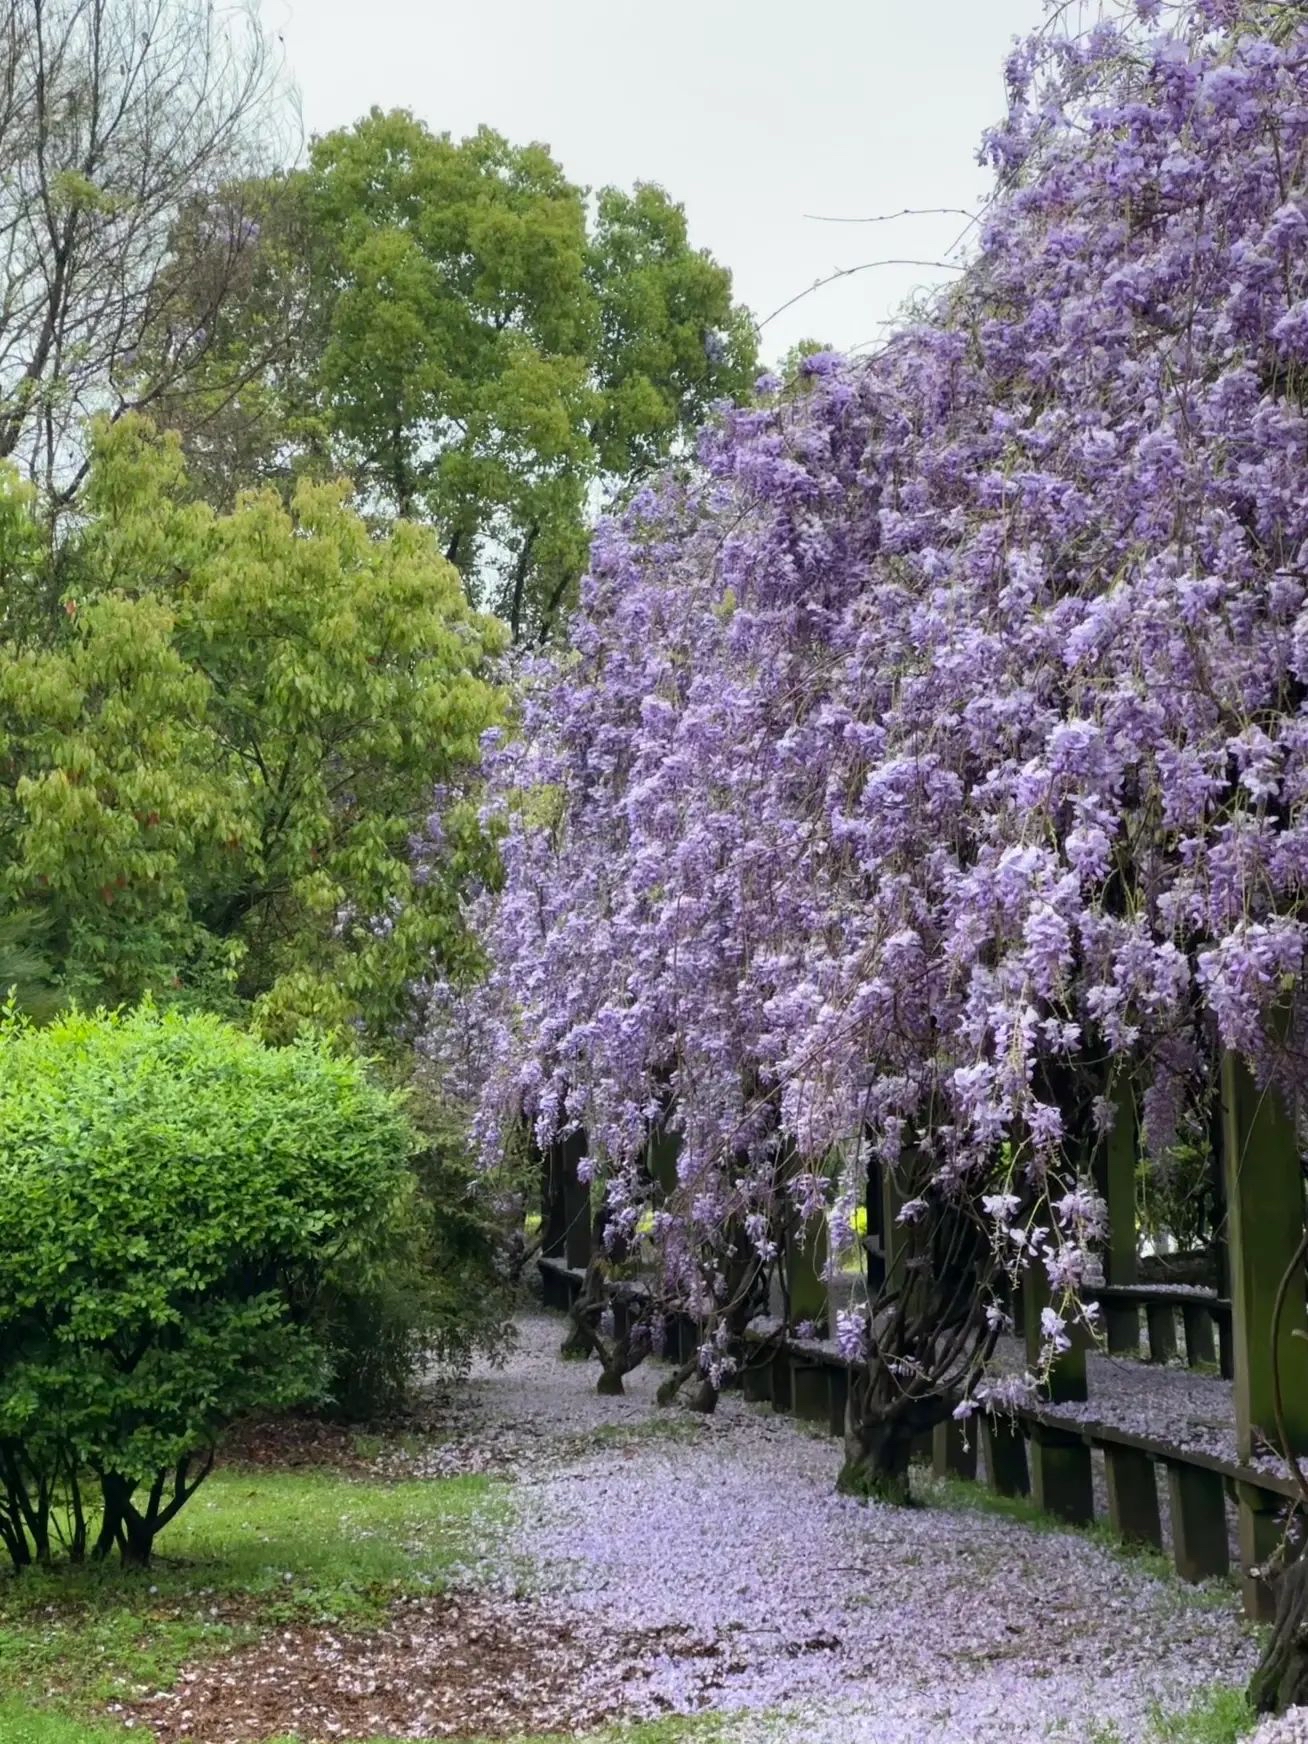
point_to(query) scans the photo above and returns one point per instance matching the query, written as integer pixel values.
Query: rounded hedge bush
(174, 1194)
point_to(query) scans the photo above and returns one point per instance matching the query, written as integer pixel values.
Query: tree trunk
(705, 1397)
(876, 1461)
(668, 1390)
(110, 1521)
(576, 1347)
(136, 1542)
(1281, 1678)
(609, 1384)
(14, 1539)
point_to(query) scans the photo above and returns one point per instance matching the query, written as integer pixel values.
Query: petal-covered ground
(1291, 1728)
(928, 1626)
(662, 1562)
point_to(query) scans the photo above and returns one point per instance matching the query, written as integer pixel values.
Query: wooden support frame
(781, 1392)
(1264, 1192)
(1004, 1446)
(1160, 1318)
(953, 1449)
(1067, 1381)
(576, 1201)
(1200, 1338)
(806, 1262)
(756, 1377)
(1116, 1171)
(838, 1400)
(1062, 1475)
(810, 1393)
(1261, 1526)
(1197, 1502)
(1132, 1483)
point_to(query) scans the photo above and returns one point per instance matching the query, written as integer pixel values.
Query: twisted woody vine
(922, 789)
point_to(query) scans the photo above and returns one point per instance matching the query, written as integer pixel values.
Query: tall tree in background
(481, 346)
(127, 128)
(214, 757)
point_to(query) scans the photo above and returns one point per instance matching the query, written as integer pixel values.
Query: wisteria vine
(930, 760)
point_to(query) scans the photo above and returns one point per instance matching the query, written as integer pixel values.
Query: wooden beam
(1133, 1496)
(1265, 1223)
(1004, 1446)
(1117, 1168)
(1198, 1511)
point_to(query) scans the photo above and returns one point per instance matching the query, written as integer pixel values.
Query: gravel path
(710, 1564)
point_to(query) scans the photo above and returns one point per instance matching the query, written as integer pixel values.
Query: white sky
(752, 113)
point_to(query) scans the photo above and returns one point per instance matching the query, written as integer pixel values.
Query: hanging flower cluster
(934, 752)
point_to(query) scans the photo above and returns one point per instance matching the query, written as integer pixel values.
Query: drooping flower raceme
(933, 755)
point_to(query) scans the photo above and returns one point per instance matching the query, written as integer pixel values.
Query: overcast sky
(752, 113)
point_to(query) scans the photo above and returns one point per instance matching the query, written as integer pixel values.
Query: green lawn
(251, 1551)
(25, 1725)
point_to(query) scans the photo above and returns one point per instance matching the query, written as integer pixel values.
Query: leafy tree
(174, 1193)
(131, 134)
(482, 347)
(214, 754)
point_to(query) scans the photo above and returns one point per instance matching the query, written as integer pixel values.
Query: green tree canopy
(482, 345)
(216, 745)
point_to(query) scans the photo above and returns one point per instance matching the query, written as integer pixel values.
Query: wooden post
(553, 1216)
(1265, 1224)
(683, 1338)
(1133, 1495)
(781, 1394)
(1198, 1508)
(1005, 1455)
(1062, 1479)
(576, 1201)
(838, 1397)
(805, 1267)
(1200, 1345)
(809, 1394)
(661, 1155)
(1067, 1378)
(895, 1239)
(756, 1376)
(875, 1245)
(1226, 1348)
(1160, 1318)
(1261, 1525)
(953, 1450)
(1117, 1184)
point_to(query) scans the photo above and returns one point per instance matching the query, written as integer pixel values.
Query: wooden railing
(1043, 1451)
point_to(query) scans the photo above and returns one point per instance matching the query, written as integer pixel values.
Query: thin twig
(889, 217)
(845, 272)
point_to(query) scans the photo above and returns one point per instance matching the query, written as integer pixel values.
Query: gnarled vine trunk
(1281, 1679)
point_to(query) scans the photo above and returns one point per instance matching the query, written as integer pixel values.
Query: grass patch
(20, 1724)
(252, 1551)
(1218, 1715)
(25, 1725)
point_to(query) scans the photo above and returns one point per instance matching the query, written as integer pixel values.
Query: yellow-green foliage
(218, 733)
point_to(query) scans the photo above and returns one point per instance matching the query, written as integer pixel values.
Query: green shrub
(427, 1284)
(174, 1195)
